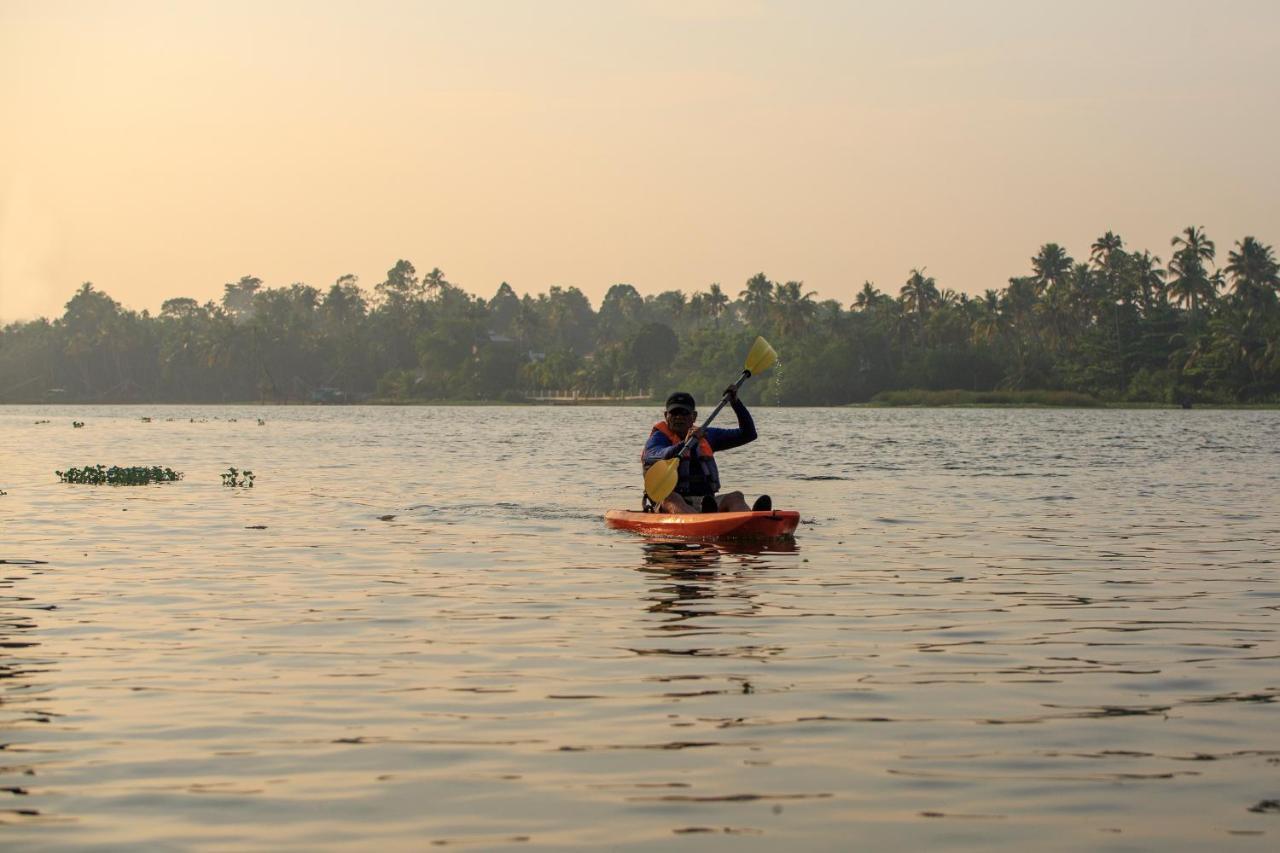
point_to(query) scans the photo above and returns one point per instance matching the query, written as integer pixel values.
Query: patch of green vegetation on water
(101, 475)
(238, 479)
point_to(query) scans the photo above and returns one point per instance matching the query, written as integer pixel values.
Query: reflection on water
(694, 584)
(700, 573)
(23, 701)
(994, 629)
(696, 575)
(704, 554)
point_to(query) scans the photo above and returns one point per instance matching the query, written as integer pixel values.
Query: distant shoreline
(873, 404)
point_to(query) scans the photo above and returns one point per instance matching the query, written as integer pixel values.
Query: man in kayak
(699, 477)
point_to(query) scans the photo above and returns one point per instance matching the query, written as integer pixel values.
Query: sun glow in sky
(161, 149)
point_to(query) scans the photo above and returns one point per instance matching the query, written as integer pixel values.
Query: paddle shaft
(686, 444)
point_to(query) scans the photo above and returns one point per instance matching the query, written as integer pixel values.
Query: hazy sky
(161, 149)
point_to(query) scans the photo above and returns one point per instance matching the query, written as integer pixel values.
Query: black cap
(681, 398)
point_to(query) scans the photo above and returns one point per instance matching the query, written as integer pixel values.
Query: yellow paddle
(661, 478)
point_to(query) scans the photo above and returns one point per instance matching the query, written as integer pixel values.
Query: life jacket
(707, 473)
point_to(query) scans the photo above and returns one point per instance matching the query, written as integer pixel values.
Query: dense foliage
(1119, 325)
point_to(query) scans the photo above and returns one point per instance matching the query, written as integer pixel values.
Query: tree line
(1118, 325)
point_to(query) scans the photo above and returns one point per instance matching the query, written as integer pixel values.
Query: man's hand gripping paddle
(661, 478)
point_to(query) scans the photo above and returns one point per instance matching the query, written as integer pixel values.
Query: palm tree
(1105, 290)
(757, 299)
(988, 325)
(948, 298)
(1020, 307)
(1192, 285)
(434, 283)
(1254, 273)
(1193, 240)
(1148, 279)
(717, 301)
(1109, 260)
(1051, 269)
(794, 307)
(1051, 266)
(1102, 250)
(919, 294)
(869, 295)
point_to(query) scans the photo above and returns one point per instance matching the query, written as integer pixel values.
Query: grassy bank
(917, 397)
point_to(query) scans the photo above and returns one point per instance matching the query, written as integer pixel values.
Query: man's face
(680, 419)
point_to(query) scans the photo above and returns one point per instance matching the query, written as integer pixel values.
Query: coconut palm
(869, 295)
(1110, 262)
(1104, 248)
(794, 308)
(1149, 280)
(717, 301)
(1020, 305)
(988, 323)
(1051, 270)
(919, 294)
(1254, 273)
(1193, 240)
(1192, 285)
(1051, 266)
(757, 299)
(434, 284)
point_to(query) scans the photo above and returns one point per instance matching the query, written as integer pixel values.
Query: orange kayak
(772, 524)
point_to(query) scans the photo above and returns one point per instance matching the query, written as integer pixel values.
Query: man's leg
(733, 502)
(675, 503)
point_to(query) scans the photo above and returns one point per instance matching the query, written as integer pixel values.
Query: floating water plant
(238, 479)
(101, 475)
(146, 420)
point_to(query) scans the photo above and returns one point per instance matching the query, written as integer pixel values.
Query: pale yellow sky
(161, 149)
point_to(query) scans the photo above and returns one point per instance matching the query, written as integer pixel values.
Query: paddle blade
(661, 478)
(761, 357)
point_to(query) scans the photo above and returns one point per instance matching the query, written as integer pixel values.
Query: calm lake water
(994, 630)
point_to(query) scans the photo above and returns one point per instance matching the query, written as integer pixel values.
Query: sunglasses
(679, 410)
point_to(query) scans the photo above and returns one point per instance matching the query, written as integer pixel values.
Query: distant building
(328, 395)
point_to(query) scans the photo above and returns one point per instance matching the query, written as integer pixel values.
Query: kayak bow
(772, 524)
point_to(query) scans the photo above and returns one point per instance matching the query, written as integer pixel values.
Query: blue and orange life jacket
(695, 480)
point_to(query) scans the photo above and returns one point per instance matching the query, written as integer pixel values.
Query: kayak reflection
(706, 553)
(706, 578)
